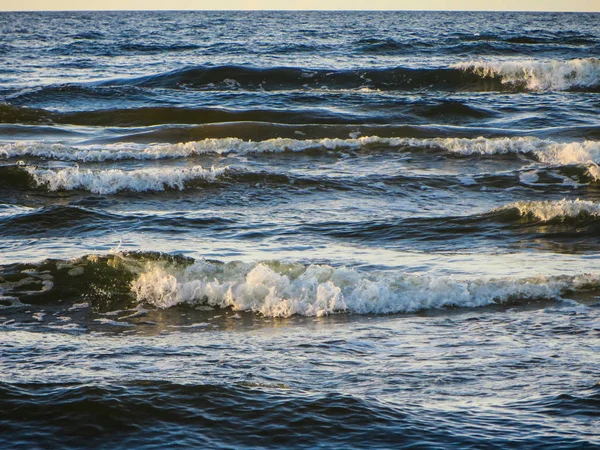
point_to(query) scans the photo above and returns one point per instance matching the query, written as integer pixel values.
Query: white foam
(538, 75)
(549, 152)
(114, 323)
(561, 209)
(276, 289)
(115, 180)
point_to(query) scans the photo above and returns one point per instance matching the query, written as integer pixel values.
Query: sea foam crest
(218, 146)
(276, 289)
(550, 152)
(539, 75)
(115, 180)
(552, 210)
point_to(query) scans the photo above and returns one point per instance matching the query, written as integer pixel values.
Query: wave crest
(539, 75)
(547, 211)
(114, 180)
(549, 152)
(276, 289)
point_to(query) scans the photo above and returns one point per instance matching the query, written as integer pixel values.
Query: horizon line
(305, 10)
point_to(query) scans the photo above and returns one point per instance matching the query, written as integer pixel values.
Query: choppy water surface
(315, 230)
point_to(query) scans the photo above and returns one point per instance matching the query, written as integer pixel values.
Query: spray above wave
(578, 74)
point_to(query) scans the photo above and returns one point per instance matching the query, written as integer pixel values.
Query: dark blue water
(299, 229)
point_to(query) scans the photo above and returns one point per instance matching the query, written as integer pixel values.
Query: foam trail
(276, 289)
(539, 75)
(115, 180)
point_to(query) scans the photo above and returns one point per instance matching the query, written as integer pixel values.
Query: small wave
(114, 180)
(111, 181)
(549, 152)
(387, 45)
(72, 220)
(18, 114)
(561, 210)
(154, 48)
(539, 75)
(452, 108)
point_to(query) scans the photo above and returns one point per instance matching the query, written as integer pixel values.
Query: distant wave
(93, 44)
(275, 288)
(541, 37)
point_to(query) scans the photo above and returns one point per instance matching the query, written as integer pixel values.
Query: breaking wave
(276, 289)
(110, 181)
(533, 75)
(272, 288)
(586, 153)
(562, 210)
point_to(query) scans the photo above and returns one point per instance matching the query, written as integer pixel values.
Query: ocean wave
(586, 153)
(535, 75)
(453, 111)
(114, 180)
(111, 181)
(158, 115)
(274, 288)
(561, 210)
(537, 37)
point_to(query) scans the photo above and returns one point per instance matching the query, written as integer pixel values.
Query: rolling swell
(112, 181)
(157, 115)
(568, 225)
(577, 74)
(545, 225)
(76, 220)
